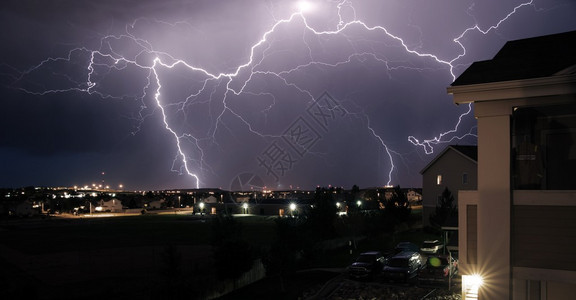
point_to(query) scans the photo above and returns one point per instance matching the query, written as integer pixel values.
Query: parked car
(367, 265)
(431, 247)
(438, 269)
(406, 246)
(403, 266)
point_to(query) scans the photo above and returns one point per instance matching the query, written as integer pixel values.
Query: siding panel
(544, 237)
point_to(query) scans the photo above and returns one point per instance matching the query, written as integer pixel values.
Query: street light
(245, 206)
(359, 203)
(292, 208)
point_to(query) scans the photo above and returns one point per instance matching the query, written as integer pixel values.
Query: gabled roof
(469, 152)
(525, 59)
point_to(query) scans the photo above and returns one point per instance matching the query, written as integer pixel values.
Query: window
(471, 234)
(465, 178)
(544, 147)
(439, 180)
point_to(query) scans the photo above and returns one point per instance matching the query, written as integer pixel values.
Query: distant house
(113, 205)
(454, 168)
(210, 199)
(25, 209)
(517, 230)
(155, 204)
(413, 196)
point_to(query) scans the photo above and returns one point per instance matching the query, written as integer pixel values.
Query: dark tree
(321, 217)
(282, 258)
(172, 262)
(224, 228)
(232, 255)
(397, 208)
(233, 258)
(354, 192)
(445, 209)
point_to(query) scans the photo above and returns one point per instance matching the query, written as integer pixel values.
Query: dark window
(471, 234)
(465, 178)
(398, 262)
(544, 147)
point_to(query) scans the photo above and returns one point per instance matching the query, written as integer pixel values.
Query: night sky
(243, 94)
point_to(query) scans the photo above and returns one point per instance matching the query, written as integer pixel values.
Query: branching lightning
(190, 161)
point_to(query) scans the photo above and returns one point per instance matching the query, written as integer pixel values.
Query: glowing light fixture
(470, 286)
(475, 280)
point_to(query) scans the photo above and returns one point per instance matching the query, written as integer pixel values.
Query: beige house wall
(534, 278)
(494, 204)
(451, 166)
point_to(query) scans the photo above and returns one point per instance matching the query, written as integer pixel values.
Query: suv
(367, 265)
(403, 266)
(406, 246)
(431, 247)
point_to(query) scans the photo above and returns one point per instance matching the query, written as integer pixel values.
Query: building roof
(525, 59)
(468, 151)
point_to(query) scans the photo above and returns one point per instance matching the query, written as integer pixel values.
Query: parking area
(342, 287)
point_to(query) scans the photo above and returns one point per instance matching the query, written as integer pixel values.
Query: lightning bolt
(444, 137)
(215, 89)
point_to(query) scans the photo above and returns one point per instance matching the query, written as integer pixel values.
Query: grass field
(34, 236)
(112, 257)
(70, 254)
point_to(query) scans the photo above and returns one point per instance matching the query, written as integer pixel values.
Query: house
(414, 196)
(112, 205)
(517, 230)
(454, 168)
(155, 204)
(25, 209)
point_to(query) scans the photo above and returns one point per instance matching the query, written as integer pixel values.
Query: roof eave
(442, 154)
(512, 89)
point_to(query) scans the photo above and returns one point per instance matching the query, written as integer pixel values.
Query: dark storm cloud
(380, 93)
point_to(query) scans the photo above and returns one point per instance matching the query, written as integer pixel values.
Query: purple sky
(240, 94)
